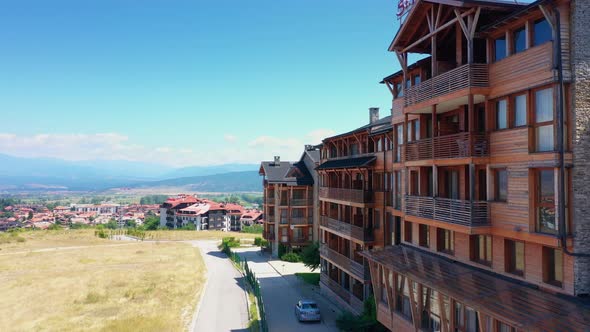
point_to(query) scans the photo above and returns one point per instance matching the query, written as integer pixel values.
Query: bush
(282, 249)
(310, 256)
(254, 229)
(291, 257)
(365, 322)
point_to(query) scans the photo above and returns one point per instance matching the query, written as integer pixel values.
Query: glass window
(399, 90)
(542, 32)
(544, 105)
(546, 222)
(445, 241)
(520, 110)
(424, 236)
(519, 40)
(501, 114)
(417, 79)
(408, 231)
(544, 140)
(501, 185)
(499, 48)
(410, 134)
(553, 269)
(408, 83)
(417, 129)
(514, 257)
(481, 249)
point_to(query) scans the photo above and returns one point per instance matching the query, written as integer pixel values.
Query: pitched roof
(519, 304)
(286, 172)
(367, 127)
(347, 163)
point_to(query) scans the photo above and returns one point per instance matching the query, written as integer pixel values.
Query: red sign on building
(403, 6)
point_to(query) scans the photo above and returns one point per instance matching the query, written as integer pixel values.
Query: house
(289, 204)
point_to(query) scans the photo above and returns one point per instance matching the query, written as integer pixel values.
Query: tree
(112, 224)
(30, 215)
(310, 256)
(151, 222)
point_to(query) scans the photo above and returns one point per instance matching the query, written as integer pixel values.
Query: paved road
(223, 306)
(280, 293)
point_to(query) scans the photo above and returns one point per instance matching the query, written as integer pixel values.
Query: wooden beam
(475, 19)
(549, 16)
(415, 314)
(390, 87)
(442, 27)
(462, 23)
(437, 21)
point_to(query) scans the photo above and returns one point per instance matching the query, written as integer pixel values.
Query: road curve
(223, 306)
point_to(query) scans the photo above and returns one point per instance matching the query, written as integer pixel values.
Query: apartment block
(472, 213)
(289, 208)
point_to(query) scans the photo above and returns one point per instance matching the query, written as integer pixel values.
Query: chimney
(277, 160)
(308, 147)
(373, 114)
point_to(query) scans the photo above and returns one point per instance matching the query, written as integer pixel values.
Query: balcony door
(452, 184)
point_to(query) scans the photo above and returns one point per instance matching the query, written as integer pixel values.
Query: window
(481, 249)
(354, 149)
(424, 236)
(403, 304)
(400, 142)
(408, 83)
(430, 310)
(399, 90)
(542, 32)
(398, 190)
(410, 131)
(417, 129)
(499, 48)
(544, 120)
(514, 251)
(520, 110)
(465, 318)
(519, 40)
(408, 231)
(445, 240)
(553, 266)
(417, 80)
(503, 327)
(501, 114)
(501, 185)
(545, 200)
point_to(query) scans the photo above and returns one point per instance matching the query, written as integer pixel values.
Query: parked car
(307, 310)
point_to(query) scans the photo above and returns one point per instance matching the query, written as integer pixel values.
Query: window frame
(549, 262)
(511, 259)
(488, 241)
(441, 241)
(497, 197)
(539, 204)
(513, 109)
(495, 48)
(506, 110)
(513, 33)
(535, 125)
(424, 235)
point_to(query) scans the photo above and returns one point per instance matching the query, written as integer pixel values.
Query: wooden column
(471, 182)
(458, 45)
(434, 181)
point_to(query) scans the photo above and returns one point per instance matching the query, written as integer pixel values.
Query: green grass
(310, 278)
(254, 324)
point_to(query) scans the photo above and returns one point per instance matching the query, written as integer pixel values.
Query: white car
(307, 310)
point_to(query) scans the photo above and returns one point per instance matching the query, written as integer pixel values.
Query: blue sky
(188, 82)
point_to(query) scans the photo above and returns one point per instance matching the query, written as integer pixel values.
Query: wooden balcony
(453, 211)
(301, 202)
(355, 269)
(463, 77)
(459, 145)
(346, 229)
(345, 295)
(301, 221)
(348, 195)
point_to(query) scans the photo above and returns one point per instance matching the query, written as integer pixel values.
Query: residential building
(172, 206)
(288, 206)
(489, 226)
(355, 181)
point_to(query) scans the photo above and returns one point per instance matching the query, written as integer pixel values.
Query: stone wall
(580, 27)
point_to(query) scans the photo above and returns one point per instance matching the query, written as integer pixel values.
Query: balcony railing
(347, 229)
(466, 76)
(453, 211)
(449, 146)
(354, 268)
(344, 294)
(301, 221)
(349, 195)
(301, 202)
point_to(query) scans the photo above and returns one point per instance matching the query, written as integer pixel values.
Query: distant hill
(47, 174)
(248, 181)
(210, 170)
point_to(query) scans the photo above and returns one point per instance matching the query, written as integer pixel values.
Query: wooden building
(289, 203)
(466, 219)
(355, 193)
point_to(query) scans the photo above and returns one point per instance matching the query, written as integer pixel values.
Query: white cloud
(230, 138)
(115, 146)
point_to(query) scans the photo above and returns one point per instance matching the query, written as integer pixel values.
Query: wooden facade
(474, 172)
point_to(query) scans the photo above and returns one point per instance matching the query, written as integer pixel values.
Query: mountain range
(19, 173)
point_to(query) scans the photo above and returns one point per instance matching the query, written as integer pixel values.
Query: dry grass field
(178, 235)
(72, 281)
